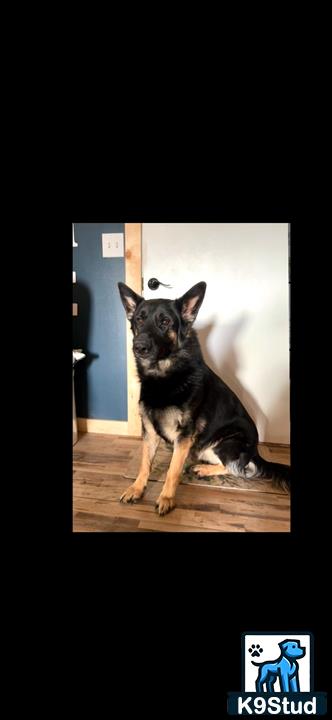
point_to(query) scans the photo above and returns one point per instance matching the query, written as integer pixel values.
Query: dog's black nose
(142, 345)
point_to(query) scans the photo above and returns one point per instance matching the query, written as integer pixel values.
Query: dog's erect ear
(284, 643)
(189, 304)
(130, 299)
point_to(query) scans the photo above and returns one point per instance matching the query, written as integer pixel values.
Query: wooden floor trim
(133, 273)
(107, 427)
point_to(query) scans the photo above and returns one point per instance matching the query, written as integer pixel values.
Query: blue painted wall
(100, 327)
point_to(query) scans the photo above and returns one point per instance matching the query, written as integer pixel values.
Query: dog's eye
(139, 321)
(165, 322)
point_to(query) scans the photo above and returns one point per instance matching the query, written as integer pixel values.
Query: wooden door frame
(133, 277)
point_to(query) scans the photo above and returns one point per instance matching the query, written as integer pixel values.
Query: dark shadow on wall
(228, 366)
(81, 340)
(276, 414)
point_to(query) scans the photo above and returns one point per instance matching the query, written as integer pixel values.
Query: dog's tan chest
(169, 421)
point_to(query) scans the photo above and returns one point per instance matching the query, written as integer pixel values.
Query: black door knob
(153, 284)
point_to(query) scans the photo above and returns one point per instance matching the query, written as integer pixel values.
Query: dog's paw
(164, 504)
(199, 470)
(202, 470)
(132, 494)
(255, 650)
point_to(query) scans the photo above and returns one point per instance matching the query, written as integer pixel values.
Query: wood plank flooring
(99, 463)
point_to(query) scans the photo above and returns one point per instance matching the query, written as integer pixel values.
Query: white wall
(243, 324)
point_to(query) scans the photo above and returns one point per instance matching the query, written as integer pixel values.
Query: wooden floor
(99, 464)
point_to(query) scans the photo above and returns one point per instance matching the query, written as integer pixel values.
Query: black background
(166, 612)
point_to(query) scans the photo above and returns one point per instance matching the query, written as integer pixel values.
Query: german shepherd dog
(184, 402)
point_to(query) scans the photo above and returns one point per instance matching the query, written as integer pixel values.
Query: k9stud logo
(277, 677)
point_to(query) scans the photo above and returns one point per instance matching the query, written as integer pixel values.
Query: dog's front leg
(294, 685)
(166, 499)
(284, 682)
(150, 444)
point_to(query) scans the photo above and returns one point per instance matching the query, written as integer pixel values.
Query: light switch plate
(112, 245)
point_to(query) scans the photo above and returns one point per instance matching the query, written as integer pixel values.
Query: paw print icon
(255, 650)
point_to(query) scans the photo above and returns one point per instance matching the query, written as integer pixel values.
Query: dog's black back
(180, 395)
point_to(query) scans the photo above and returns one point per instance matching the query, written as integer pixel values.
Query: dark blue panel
(100, 327)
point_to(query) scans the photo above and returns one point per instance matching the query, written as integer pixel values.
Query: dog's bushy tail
(277, 472)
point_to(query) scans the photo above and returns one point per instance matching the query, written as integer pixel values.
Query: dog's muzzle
(142, 346)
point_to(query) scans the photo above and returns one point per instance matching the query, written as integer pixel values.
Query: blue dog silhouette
(285, 668)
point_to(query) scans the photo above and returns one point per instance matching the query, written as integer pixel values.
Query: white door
(243, 324)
